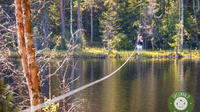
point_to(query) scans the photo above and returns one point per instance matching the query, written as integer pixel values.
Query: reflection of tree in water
(179, 75)
(197, 85)
(70, 76)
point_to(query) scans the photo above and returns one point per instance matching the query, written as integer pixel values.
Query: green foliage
(6, 99)
(109, 24)
(111, 17)
(50, 108)
(54, 13)
(120, 42)
(176, 38)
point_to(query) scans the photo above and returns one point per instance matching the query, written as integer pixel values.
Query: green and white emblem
(180, 101)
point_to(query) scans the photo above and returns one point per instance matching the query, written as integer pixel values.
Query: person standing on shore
(139, 44)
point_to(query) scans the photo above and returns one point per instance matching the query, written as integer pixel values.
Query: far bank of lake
(103, 53)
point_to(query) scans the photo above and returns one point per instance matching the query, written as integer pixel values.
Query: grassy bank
(103, 53)
(100, 52)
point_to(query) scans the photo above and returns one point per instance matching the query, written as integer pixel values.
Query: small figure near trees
(139, 44)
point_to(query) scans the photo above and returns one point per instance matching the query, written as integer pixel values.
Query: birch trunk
(35, 82)
(182, 25)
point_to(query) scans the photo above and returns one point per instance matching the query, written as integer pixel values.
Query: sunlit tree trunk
(196, 24)
(35, 82)
(182, 25)
(150, 15)
(49, 80)
(20, 34)
(21, 41)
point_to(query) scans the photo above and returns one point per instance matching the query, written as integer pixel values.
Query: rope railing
(58, 98)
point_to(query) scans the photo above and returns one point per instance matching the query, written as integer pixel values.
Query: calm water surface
(142, 85)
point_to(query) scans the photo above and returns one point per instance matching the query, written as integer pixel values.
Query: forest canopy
(61, 24)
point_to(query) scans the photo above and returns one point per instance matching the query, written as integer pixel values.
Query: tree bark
(63, 29)
(21, 42)
(79, 17)
(62, 13)
(26, 49)
(182, 25)
(45, 29)
(35, 82)
(186, 4)
(91, 40)
(163, 7)
(79, 23)
(71, 28)
(20, 35)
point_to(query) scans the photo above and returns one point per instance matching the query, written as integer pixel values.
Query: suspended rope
(56, 99)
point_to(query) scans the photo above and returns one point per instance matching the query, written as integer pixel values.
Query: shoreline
(100, 53)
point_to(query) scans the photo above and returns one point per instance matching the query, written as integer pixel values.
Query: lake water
(142, 85)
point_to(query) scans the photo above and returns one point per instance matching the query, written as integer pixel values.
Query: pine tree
(109, 23)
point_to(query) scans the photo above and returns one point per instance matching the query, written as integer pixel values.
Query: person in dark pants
(139, 44)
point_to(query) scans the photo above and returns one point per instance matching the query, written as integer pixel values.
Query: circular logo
(181, 101)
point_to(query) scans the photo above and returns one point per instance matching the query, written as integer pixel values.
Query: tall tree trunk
(163, 2)
(62, 13)
(150, 17)
(71, 28)
(21, 42)
(186, 4)
(20, 35)
(45, 29)
(182, 25)
(79, 33)
(196, 24)
(91, 39)
(35, 82)
(79, 16)
(49, 80)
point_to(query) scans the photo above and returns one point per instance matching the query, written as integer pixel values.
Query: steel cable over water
(56, 99)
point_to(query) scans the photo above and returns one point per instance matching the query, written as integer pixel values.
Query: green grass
(102, 53)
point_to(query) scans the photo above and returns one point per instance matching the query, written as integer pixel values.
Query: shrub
(120, 42)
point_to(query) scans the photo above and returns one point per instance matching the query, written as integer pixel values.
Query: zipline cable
(56, 99)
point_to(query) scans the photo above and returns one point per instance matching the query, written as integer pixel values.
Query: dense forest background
(113, 24)
(80, 25)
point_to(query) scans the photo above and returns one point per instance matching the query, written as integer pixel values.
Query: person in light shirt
(139, 44)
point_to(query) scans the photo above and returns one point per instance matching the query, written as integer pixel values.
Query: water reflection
(142, 86)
